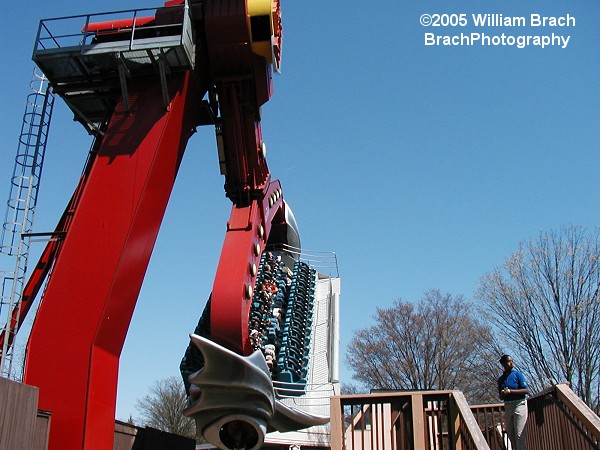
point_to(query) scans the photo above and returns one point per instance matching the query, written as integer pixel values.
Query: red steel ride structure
(109, 228)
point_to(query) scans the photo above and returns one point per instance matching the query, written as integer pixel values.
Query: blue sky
(422, 167)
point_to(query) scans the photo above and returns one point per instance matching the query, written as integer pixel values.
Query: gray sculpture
(233, 402)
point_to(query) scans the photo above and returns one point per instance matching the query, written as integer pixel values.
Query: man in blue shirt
(512, 388)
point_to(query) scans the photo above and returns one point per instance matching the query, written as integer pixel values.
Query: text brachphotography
(496, 40)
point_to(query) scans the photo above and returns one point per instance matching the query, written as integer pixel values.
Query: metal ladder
(20, 210)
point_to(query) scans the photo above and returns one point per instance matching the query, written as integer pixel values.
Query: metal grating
(89, 58)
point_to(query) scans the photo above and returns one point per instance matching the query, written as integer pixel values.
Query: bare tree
(545, 300)
(352, 389)
(437, 343)
(162, 408)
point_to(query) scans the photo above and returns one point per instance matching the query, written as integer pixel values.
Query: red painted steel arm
(76, 341)
(243, 83)
(247, 234)
(46, 260)
(242, 80)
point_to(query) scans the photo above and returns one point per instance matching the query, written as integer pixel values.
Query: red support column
(77, 338)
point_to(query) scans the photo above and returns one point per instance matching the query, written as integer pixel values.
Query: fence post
(418, 421)
(336, 423)
(454, 425)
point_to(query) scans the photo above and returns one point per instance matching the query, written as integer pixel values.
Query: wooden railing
(399, 420)
(440, 420)
(491, 423)
(558, 420)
